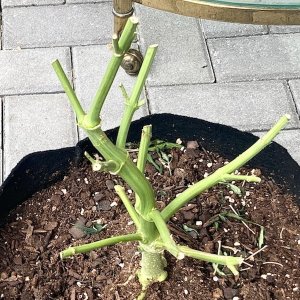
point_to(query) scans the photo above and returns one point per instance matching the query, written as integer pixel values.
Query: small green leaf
(152, 162)
(222, 218)
(159, 144)
(235, 189)
(164, 156)
(95, 228)
(216, 225)
(189, 229)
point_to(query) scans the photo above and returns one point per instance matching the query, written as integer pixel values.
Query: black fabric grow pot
(41, 169)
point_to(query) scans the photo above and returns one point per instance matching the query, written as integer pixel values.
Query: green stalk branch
(229, 261)
(231, 177)
(69, 90)
(131, 211)
(142, 156)
(165, 235)
(100, 244)
(143, 149)
(217, 176)
(92, 119)
(132, 104)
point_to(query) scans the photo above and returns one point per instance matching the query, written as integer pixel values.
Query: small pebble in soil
(110, 184)
(186, 292)
(98, 196)
(215, 278)
(104, 205)
(179, 141)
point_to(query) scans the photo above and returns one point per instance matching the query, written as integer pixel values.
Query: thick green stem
(132, 104)
(142, 156)
(100, 244)
(152, 268)
(127, 170)
(217, 176)
(68, 89)
(229, 261)
(132, 213)
(124, 43)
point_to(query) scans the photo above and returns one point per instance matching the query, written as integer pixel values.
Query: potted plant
(152, 233)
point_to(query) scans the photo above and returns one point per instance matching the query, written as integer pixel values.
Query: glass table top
(263, 12)
(280, 4)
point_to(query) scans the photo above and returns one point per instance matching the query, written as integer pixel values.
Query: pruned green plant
(152, 231)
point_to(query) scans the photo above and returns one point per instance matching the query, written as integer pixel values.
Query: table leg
(122, 10)
(133, 59)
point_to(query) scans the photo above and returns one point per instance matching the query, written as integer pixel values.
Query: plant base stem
(152, 268)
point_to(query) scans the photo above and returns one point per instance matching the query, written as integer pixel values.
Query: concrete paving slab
(90, 63)
(182, 56)
(246, 105)
(289, 139)
(60, 25)
(7, 3)
(255, 58)
(34, 123)
(30, 71)
(86, 1)
(214, 29)
(284, 29)
(295, 88)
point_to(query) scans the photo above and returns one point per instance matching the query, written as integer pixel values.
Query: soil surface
(84, 207)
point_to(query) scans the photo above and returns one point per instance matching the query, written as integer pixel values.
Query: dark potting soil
(72, 211)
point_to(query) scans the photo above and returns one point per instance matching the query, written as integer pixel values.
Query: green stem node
(165, 235)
